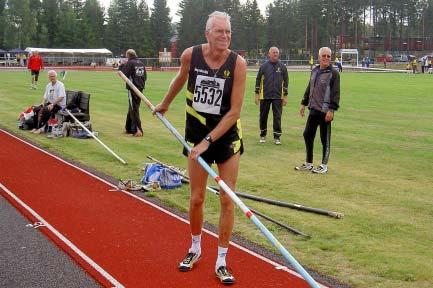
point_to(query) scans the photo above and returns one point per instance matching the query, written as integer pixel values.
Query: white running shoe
(262, 140)
(304, 167)
(322, 169)
(189, 261)
(224, 275)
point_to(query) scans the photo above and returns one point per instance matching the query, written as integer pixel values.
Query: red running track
(118, 238)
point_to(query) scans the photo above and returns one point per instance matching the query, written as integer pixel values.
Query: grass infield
(380, 168)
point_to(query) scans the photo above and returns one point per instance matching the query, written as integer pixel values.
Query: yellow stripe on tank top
(194, 114)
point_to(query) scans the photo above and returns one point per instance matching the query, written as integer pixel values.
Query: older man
(54, 100)
(134, 69)
(215, 92)
(271, 90)
(322, 97)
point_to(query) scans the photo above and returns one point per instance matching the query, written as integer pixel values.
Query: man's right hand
(256, 100)
(161, 108)
(302, 111)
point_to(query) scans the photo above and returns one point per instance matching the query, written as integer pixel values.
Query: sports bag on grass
(167, 179)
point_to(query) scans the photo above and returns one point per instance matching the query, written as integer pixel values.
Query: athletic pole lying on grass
(295, 206)
(216, 192)
(94, 137)
(290, 259)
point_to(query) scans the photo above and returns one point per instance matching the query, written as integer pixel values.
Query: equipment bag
(26, 119)
(167, 179)
(76, 131)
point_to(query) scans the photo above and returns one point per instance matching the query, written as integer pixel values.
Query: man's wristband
(208, 138)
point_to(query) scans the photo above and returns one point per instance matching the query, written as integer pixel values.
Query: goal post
(350, 52)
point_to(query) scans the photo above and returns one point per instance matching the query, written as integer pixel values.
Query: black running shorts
(220, 151)
(36, 74)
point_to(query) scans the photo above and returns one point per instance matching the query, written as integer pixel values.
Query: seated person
(54, 100)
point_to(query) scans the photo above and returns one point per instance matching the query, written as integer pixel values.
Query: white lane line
(273, 263)
(63, 239)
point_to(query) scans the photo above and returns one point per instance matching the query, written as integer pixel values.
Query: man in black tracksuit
(272, 83)
(322, 97)
(136, 72)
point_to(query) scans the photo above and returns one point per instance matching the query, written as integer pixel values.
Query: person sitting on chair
(54, 100)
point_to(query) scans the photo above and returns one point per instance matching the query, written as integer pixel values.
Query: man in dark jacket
(136, 72)
(322, 97)
(271, 89)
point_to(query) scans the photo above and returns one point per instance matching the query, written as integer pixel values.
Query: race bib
(208, 94)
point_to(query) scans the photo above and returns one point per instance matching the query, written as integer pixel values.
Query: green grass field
(380, 169)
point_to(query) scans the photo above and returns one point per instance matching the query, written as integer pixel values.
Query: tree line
(297, 27)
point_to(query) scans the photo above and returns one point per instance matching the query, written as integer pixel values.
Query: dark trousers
(277, 109)
(42, 115)
(133, 122)
(316, 118)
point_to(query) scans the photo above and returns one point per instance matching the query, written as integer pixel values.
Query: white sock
(324, 165)
(221, 259)
(308, 164)
(195, 244)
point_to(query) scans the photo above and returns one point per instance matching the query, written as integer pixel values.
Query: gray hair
(321, 50)
(53, 72)
(131, 53)
(217, 14)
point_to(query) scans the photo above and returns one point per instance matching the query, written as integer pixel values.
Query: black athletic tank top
(208, 97)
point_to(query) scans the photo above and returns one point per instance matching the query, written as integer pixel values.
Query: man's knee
(227, 204)
(197, 201)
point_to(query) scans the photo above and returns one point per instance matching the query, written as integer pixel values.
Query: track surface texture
(117, 237)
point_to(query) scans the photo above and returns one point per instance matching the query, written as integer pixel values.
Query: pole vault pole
(96, 138)
(290, 259)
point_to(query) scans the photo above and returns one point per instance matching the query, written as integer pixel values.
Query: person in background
(322, 97)
(338, 64)
(35, 64)
(272, 83)
(414, 65)
(215, 92)
(311, 62)
(136, 72)
(54, 100)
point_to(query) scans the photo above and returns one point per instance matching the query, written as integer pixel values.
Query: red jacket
(35, 63)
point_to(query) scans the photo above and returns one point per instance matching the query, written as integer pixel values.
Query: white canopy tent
(71, 52)
(72, 57)
(350, 52)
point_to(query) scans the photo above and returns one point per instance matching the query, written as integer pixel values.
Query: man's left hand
(199, 149)
(284, 100)
(329, 116)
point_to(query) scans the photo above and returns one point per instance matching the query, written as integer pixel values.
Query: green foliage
(294, 26)
(160, 27)
(380, 167)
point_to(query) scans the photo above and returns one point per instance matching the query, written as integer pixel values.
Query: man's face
(274, 54)
(325, 58)
(220, 35)
(52, 77)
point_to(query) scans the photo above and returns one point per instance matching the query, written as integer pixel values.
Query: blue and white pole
(227, 189)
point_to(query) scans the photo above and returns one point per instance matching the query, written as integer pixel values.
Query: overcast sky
(174, 4)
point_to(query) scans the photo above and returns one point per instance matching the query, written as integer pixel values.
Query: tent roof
(76, 52)
(17, 50)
